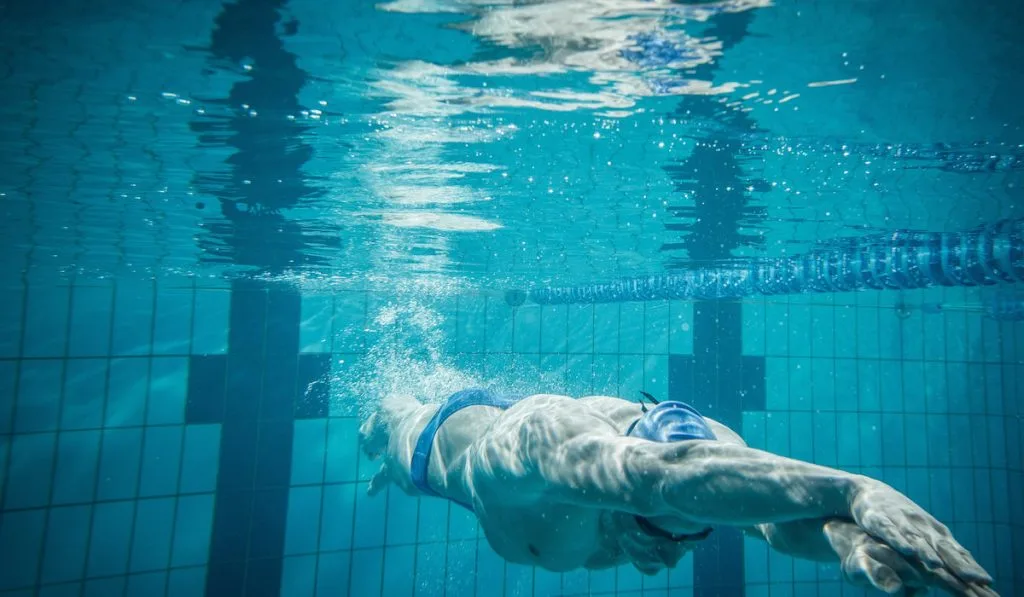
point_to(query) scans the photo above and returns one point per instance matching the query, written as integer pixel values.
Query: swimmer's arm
(804, 539)
(709, 483)
(864, 560)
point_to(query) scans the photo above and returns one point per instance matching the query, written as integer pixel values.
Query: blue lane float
(902, 260)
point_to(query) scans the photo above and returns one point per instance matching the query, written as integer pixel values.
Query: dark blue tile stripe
(722, 383)
(206, 383)
(252, 391)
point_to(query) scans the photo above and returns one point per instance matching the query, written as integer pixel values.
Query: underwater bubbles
(405, 357)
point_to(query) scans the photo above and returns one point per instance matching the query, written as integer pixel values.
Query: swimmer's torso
(524, 526)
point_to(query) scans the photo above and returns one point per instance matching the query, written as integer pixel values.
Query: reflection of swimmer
(596, 482)
(630, 49)
(1001, 306)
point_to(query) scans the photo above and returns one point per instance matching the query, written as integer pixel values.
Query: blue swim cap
(671, 421)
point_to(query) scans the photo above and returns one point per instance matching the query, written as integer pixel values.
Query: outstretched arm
(705, 482)
(864, 560)
(713, 483)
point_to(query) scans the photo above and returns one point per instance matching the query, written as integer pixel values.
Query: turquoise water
(231, 227)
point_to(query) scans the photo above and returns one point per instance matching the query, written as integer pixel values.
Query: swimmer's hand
(380, 480)
(905, 547)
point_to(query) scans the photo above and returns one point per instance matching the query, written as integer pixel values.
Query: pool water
(231, 227)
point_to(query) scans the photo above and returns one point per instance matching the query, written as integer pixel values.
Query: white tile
(352, 316)
(526, 332)
(581, 328)
(680, 328)
(657, 327)
(606, 328)
(632, 331)
(606, 375)
(656, 375)
(499, 326)
(580, 374)
(46, 322)
(471, 326)
(554, 321)
(133, 319)
(631, 375)
(168, 390)
(753, 326)
(11, 321)
(315, 331)
(172, 327)
(211, 321)
(91, 314)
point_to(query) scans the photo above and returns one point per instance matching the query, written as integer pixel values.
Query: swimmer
(596, 482)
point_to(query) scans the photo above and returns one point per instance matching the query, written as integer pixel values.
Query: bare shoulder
(543, 421)
(502, 459)
(724, 433)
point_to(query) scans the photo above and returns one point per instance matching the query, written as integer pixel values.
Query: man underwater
(596, 482)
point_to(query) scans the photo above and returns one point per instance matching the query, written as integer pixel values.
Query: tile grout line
(142, 442)
(326, 453)
(355, 496)
(5, 466)
(48, 509)
(484, 353)
(102, 433)
(988, 447)
(183, 436)
(259, 411)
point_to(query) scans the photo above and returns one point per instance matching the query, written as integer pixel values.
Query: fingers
(944, 580)
(960, 561)
(918, 538)
(862, 570)
(909, 575)
(981, 591)
(932, 545)
(876, 563)
(916, 575)
(902, 537)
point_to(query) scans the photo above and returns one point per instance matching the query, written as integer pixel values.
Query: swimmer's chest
(559, 538)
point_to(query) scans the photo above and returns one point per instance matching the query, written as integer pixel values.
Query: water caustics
(450, 123)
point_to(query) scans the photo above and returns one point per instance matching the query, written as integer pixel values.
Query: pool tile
(133, 319)
(554, 321)
(91, 316)
(316, 326)
(172, 323)
(154, 527)
(370, 566)
(30, 455)
(193, 525)
(46, 322)
(21, 540)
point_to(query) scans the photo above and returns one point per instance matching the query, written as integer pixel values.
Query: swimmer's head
(392, 412)
(374, 434)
